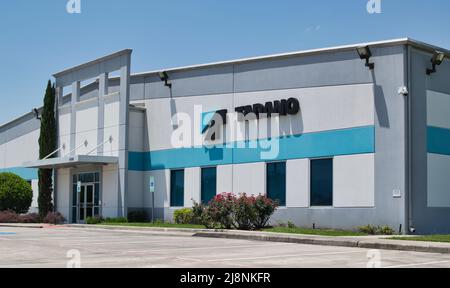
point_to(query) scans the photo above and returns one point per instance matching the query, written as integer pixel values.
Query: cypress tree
(47, 144)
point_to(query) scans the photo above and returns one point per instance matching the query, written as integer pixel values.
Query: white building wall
(297, 183)
(192, 186)
(22, 149)
(64, 190)
(322, 109)
(224, 179)
(438, 181)
(438, 107)
(354, 181)
(110, 201)
(250, 178)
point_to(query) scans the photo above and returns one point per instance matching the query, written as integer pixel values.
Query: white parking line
(205, 248)
(87, 243)
(289, 256)
(418, 264)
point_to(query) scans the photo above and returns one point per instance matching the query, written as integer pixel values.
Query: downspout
(409, 143)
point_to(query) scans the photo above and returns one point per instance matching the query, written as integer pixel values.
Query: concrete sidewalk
(367, 242)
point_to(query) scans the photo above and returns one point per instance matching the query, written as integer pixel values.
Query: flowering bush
(245, 212)
(264, 209)
(9, 216)
(54, 218)
(32, 218)
(229, 211)
(221, 210)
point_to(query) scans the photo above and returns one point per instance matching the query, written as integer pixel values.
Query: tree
(47, 144)
(15, 193)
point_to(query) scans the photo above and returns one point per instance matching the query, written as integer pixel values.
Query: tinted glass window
(209, 184)
(322, 182)
(276, 182)
(177, 188)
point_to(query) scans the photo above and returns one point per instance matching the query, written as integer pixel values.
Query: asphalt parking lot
(87, 248)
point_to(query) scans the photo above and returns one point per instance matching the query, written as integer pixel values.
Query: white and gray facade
(365, 146)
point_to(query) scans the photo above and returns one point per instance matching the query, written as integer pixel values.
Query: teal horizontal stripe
(438, 140)
(25, 173)
(359, 140)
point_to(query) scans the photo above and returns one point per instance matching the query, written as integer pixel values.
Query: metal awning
(71, 161)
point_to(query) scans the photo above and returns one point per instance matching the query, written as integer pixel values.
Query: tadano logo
(73, 7)
(374, 7)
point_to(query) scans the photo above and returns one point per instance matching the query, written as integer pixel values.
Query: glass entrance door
(86, 197)
(86, 202)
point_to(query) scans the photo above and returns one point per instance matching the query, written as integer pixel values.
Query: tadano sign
(283, 107)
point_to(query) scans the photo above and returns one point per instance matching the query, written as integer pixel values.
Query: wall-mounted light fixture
(36, 112)
(436, 60)
(165, 78)
(365, 54)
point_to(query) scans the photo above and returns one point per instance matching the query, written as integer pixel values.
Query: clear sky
(39, 37)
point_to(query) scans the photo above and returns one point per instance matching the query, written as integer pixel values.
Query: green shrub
(94, 220)
(15, 193)
(385, 230)
(291, 225)
(116, 220)
(137, 217)
(202, 216)
(184, 216)
(376, 230)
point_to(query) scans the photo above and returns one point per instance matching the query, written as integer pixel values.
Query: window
(177, 188)
(276, 182)
(209, 184)
(322, 182)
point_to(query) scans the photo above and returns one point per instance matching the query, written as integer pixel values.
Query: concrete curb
(30, 226)
(137, 228)
(381, 244)
(366, 242)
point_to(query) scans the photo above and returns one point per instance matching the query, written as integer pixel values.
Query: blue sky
(38, 38)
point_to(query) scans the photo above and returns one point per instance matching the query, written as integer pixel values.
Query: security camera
(403, 91)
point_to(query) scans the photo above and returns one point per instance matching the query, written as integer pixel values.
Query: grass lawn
(153, 225)
(318, 232)
(431, 238)
(273, 230)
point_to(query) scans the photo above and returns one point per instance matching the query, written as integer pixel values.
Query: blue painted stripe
(438, 140)
(311, 145)
(25, 173)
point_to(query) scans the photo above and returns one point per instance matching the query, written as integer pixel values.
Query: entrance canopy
(71, 161)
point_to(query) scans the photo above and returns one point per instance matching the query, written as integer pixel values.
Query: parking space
(58, 247)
